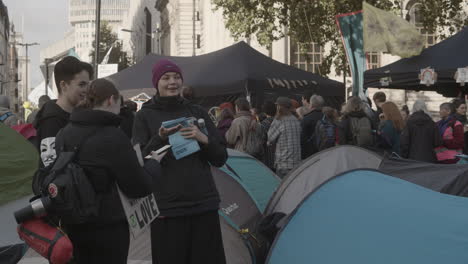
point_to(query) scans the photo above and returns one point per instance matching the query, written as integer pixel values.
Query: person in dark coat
(188, 230)
(72, 79)
(354, 110)
(107, 157)
(128, 116)
(308, 124)
(420, 136)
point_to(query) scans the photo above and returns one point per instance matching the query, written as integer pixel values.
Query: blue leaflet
(181, 147)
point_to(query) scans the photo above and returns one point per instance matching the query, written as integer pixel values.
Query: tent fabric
(314, 171)
(236, 70)
(238, 211)
(365, 216)
(445, 58)
(18, 162)
(256, 178)
(449, 179)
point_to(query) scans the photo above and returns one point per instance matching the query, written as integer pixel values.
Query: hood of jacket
(89, 117)
(168, 103)
(357, 114)
(49, 110)
(419, 119)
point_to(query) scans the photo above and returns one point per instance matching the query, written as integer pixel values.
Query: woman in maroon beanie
(188, 230)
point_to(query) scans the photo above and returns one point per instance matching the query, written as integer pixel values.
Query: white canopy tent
(38, 91)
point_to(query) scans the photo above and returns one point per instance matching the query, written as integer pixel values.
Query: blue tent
(364, 216)
(259, 181)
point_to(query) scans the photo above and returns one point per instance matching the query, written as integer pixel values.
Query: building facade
(4, 46)
(139, 30)
(12, 83)
(82, 17)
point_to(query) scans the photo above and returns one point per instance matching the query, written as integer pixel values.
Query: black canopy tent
(238, 70)
(445, 58)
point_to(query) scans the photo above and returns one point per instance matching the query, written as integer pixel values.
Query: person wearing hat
(285, 132)
(188, 229)
(6, 115)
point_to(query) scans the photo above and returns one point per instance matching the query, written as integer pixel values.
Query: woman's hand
(192, 132)
(165, 132)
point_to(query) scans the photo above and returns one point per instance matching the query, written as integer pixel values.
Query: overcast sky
(45, 21)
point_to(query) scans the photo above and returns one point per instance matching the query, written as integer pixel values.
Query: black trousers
(191, 239)
(97, 244)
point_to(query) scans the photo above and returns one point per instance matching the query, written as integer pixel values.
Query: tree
(314, 21)
(109, 39)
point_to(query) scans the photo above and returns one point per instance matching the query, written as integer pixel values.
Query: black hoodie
(49, 120)
(107, 156)
(186, 186)
(419, 138)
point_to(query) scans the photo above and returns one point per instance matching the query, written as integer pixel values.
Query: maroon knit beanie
(163, 66)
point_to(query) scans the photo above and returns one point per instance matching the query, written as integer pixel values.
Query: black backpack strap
(60, 141)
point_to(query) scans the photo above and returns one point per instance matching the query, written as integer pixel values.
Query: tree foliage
(109, 39)
(314, 21)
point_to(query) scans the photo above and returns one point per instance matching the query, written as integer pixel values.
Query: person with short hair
(451, 131)
(420, 136)
(7, 117)
(72, 78)
(108, 159)
(379, 99)
(308, 124)
(238, 132)
(285, 132)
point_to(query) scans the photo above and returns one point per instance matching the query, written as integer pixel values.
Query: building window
(373, 60)
(414, 17)
(308, 59)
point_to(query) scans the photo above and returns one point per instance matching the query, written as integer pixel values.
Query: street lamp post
(47, 62)
(26, 46)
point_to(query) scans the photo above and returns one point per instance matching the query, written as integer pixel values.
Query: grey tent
(325, 165)
(238, 70)
(444, 57)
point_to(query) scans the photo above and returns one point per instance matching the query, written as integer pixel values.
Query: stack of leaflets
(181, 147)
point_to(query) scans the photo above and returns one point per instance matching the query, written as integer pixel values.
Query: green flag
(19, 159)
(386, 32)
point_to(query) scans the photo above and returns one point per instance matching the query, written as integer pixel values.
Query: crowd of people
(281, 134)
(292, 132)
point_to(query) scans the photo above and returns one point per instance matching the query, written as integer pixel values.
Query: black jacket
(128, 117)
(419, 138)
(345, 133)
(186, 186)
(107, 157)
(48, 122)
(308, 124)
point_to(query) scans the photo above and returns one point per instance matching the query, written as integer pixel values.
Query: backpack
(5, 116)
(72, 195)
(325, 134)
(361, 129)
(255, 140)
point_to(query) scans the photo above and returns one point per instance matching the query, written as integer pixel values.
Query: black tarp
(444, 57)
(449, 179)
(234, 71)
